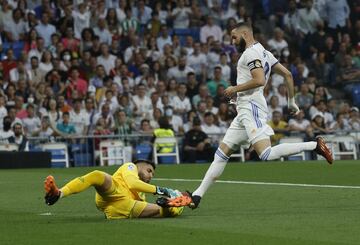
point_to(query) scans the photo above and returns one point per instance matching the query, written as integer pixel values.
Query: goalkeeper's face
(146, 172)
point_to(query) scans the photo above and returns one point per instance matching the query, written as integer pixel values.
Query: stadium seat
(59, 154)
(9, 147)
(143, 151)
(356, 95)
(343, 146)
(175, 153)
(240, 154)
(300, 155)
(112, 152)
(82, 160)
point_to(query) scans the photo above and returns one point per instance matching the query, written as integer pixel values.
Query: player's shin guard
(215, 170)
(94, 178)
(286, 149)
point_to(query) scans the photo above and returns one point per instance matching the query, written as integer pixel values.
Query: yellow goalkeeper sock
(94, 178)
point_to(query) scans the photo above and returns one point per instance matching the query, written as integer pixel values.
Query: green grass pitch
(230, 213)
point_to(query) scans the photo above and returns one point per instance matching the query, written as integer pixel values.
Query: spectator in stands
(278, 43)
(3, 110)
(301, 125)
(225, 68)
(164, 38)
(45, 130)
(32, 121)
(66, 21)
(216, 81)
(181, 15)
(102, 32)
(224, 116)
(142, 12)
(274, 106)
(303, 98)
(341, 124)
(15, 27)
(70, 42)
(130, 24)
(197, 145)
(175, 121)
(142, 103)
(74, 82)
(79, 118)
(321, 107)
(65, 128)
(82, 16)
(192, 86)
(6, 132)
(106, 59)
(308, 19)
(19, 72)
(19, 138)
(291, 19)
(180, 71)
(181, 103)
(46, 62)
(318, 124)
(154, 122)
(279, 126)
(354, 119)
(8, 63)
(210, 30)
(106, 115)
(45, 29)
(337, 13)
(348, 74)
(123, 124)
(210, 128)
(210, 105)
(101, 128)
(197, 60)
(323, 93)
(201, 96)
(145, 127)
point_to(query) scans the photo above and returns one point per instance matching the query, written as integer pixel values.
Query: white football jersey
(255, 56)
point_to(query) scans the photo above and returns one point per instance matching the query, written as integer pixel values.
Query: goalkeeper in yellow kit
(121, 195)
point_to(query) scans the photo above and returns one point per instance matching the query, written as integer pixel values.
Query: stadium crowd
(104, 67)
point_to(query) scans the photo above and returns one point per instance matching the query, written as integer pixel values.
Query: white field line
(264, 183)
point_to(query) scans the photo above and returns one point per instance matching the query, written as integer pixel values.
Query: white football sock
(215, 170)
(286, 149)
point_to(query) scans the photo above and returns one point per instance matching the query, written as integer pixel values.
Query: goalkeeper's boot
(323, 150)
(195, 200)
(51, 190)
(180, 201)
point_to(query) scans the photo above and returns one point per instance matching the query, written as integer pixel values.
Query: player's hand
(230, 91)
(163, 191)
(292, 106)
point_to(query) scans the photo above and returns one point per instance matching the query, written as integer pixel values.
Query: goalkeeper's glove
(163, 191)
(292, 106)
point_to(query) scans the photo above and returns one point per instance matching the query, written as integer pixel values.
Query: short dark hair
(145, 161)
(243, 24)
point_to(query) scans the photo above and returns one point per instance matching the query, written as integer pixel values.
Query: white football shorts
(248, 127)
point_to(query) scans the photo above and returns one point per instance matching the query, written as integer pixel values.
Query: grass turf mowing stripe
(262, 183)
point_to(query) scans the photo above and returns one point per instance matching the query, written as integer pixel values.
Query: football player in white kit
(250, 124)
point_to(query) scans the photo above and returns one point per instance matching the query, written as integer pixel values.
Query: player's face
(237, 38)
(146, 172)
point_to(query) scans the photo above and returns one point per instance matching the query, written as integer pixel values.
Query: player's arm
(258, 80)
(135, 184)
(282, 71)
